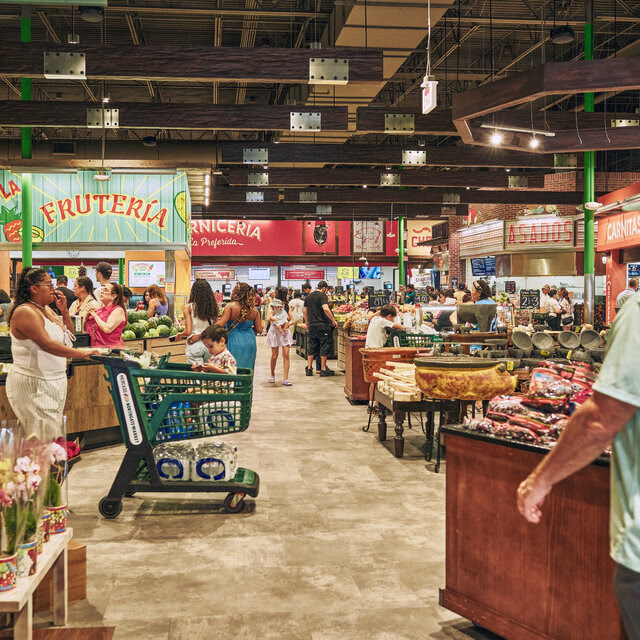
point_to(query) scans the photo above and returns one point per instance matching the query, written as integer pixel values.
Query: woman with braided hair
(200, 313)
(40, 345)
(242, 322)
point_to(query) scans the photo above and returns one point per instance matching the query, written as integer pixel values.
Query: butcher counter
(550, 581)
(89, 408)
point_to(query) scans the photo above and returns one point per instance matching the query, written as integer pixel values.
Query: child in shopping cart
(222, 361)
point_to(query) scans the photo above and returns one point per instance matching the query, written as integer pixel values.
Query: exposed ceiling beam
(356, 177)
(191, 63)
(365, 154)
(437, 123)
(134, 115)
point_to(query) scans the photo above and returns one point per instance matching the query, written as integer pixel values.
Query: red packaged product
(521, 434)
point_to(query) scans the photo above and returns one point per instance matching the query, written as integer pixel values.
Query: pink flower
(58, 453)
(5, 500)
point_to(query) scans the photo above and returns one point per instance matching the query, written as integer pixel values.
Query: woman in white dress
(40, 345)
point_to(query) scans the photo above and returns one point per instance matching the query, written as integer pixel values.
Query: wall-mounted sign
(259, 273)
(378, 299)
(214, 274)
(304, 274)
(73, 208)
(418, 231)
(619, 231)
(145, 273)
(348, 273)
(510, 287)
(368, 237)
(482, 239)
(539, 233)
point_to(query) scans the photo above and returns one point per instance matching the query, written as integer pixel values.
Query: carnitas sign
(539, 233)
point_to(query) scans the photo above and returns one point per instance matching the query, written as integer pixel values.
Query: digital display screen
(369, 272)
(482, 267)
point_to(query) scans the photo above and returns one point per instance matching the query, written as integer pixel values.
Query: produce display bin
(174, 403)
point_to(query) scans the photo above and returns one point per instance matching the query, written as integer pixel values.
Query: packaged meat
(521, 434)
(484, 425)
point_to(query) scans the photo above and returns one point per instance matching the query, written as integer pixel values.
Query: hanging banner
(74, 208)
(214, 274)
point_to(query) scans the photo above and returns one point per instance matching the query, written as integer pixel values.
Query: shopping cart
(399, 338)
(173, 403)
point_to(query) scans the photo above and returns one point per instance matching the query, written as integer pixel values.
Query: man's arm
(327, 312)
(588, 432)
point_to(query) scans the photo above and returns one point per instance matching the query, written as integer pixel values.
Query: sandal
(272, 380)
(287, 383)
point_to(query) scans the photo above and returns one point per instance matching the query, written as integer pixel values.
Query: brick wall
(456, 267)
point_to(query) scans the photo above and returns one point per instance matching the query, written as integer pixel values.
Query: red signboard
(304, 274)
(619, 231)
(214, 274)
(246, 238)
(547, 233)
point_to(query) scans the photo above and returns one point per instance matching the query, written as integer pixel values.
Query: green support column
(401, 273)
(589, 182)
(121, 271)
(25, 83)
(27, 237)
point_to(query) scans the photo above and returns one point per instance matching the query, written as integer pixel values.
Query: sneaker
(325, 373)
(308, 371)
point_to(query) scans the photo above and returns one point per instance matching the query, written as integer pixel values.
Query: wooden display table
(400, 410)
(19, 601)
(355, 387)
(550, 581)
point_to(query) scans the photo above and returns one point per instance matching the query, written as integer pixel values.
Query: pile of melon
(140, 326)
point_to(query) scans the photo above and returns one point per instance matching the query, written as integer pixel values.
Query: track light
(496, 138)
(534, 143)
(364, 186)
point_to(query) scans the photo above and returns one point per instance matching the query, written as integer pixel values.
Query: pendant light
(391, 234)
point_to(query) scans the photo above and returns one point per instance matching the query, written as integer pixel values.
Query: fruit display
(340, 312)
(140, 326)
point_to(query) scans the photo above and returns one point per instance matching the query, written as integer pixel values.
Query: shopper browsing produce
(85, 299)
(200, 312)
(380, 322)
(279, 335)
(222, 361)
(243, 323)
(40, 344)
(481, 292)
(320, 321)
(609, 417)
(106, 324)
(158, 304)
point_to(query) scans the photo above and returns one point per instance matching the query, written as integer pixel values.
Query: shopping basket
(403, 339)
(169, 404)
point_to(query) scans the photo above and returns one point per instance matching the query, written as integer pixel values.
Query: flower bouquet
(56, 494)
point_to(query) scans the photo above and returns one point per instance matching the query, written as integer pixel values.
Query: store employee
(611, 415)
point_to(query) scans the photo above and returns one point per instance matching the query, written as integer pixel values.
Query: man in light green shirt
(610, 415)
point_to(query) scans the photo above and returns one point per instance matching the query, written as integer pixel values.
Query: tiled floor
(344, 542)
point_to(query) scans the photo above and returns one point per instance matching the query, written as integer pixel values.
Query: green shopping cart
(170, 404)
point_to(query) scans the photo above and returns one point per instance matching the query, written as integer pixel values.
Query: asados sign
(544, 234)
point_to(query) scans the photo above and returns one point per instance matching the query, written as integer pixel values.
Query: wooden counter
(551, 581)
(355, 387)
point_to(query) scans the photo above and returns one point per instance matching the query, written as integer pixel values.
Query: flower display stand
(19, 601)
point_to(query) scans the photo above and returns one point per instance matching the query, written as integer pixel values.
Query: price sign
(421, 297)
(339, 289)
(454, 283)
(377, 300)
(510, 286)
(529, 298)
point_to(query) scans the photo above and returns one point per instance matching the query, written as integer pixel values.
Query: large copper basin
(460, 378)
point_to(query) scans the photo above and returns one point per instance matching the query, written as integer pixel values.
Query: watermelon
(128, 335)
(153, 322)
(152, 333)
(163, 331)
(128, 326)
(139, 329)
(146, 335)
(166, 320)
(141, 315)
(132, 316)
(175, 331)
(143, 323)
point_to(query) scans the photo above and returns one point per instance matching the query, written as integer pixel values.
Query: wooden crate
(162, 347)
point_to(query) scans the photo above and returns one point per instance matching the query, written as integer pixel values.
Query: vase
(27, 562)
(46, 526)
(58, 519)
(8, 571)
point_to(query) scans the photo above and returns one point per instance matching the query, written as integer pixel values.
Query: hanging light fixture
(391, 234)
(102, 175)
(562, 34)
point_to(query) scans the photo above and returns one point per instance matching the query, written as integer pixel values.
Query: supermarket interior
(319, 320)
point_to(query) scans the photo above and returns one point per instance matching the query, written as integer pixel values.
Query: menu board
(377, 300)
(633, 270)
(454, 283)
(483, 267)
(510, 286)
(529, 298)
(421, 297)
(144, 274)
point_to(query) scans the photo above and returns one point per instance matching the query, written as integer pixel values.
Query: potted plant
(55, 497)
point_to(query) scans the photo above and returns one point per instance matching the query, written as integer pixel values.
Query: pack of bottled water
(203, 461)
(173, 460)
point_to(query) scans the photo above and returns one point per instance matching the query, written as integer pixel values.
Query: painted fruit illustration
(12, 230)
(180, 203)
(37, 234)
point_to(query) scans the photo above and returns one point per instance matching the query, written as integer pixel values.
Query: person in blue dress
(242, 322)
